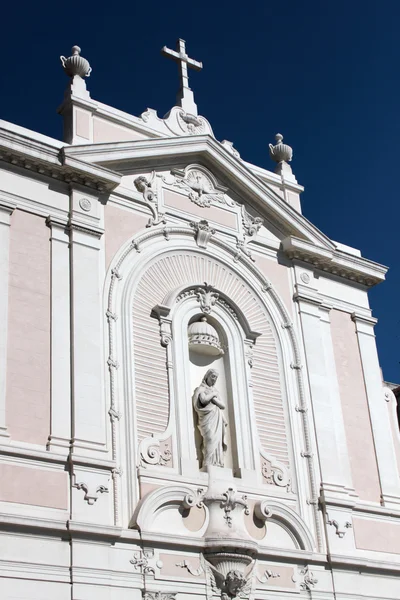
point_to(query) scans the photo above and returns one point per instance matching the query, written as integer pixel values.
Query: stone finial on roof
(76, 64)
(280, 152)
(77, 68)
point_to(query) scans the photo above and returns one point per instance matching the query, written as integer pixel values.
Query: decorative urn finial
(280, 152)
(76, 64)
(203, 338)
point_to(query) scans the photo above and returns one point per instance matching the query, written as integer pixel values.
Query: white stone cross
(185, 96)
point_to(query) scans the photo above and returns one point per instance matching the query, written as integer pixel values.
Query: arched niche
(169, 267)
(188, 370)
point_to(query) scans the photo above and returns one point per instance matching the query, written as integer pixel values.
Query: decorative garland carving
(159, 595)
(142, 562)
(145, 187)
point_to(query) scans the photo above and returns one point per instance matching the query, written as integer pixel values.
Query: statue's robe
(212, 424)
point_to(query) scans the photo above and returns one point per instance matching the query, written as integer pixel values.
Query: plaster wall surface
(30, 485)
(28, 362)
(355, 407)
(120, 225)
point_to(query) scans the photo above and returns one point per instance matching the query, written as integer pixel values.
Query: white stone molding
(334, 261)
(6, 210)
(380, 421)
(88, 426)
(229, 146)
(171, 496)
(60, 430)
(53, 160)
(127, 270)
(327, 410)
(280, 513)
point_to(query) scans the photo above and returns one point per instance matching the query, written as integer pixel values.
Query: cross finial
(185, 95)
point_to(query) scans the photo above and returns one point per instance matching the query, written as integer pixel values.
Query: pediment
(227, 179)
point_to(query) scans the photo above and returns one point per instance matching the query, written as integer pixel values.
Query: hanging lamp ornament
(280, 152)
(203, 338)
(76, 64)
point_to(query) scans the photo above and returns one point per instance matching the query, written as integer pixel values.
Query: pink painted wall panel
(355, 407)
(28, 359)
(121, 225)
(26, 485)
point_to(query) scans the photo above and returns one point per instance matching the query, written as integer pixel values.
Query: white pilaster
(60, 436)
(87, 275)
(6, 210)
(384, 447)
(335, 468)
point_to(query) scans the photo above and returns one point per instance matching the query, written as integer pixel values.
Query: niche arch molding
(126, 271)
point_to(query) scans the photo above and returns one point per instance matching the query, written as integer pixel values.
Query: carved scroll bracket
(155, 452)
(251, 226)
(146, 188)
(162, 313)
(274, 472)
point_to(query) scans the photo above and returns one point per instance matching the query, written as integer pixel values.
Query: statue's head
(211, 377)
(234, 582)
(141, 183)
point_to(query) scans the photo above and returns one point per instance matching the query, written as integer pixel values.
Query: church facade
(191, 402)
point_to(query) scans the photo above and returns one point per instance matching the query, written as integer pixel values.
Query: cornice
(336, 262)
(47, 160)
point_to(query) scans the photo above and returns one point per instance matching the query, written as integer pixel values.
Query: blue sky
(324, 74)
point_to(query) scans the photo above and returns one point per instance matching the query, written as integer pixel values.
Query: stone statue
(211, 420)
